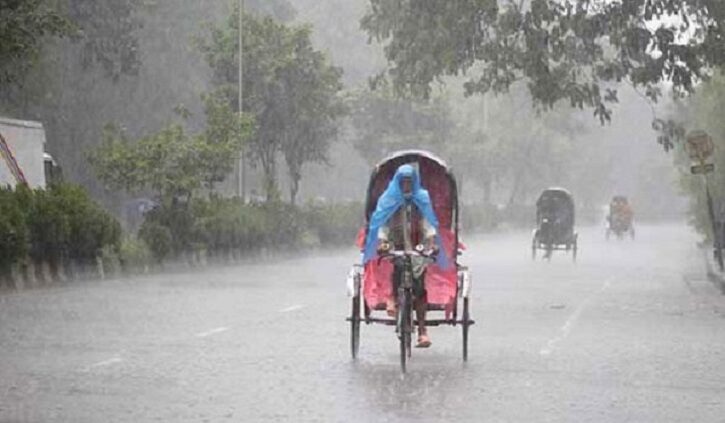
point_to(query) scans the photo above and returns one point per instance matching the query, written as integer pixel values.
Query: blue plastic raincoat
(393, 199)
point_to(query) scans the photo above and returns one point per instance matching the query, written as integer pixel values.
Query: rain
(362, 210)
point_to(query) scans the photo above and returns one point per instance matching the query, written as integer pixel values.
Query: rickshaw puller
(405, 201)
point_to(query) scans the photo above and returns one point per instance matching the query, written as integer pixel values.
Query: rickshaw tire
(355, 327)
(465, 326)
(405, 334)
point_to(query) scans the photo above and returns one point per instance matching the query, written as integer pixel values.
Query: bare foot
(423, 341)
(391, 307)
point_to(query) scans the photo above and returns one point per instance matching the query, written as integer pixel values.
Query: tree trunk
(270, 175)
(294, 187)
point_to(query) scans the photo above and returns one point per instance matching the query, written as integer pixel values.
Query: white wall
(26, 140)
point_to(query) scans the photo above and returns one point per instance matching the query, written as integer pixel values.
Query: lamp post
(700, 148)
(241, 189)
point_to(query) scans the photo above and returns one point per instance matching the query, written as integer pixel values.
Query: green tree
(100, 31)
(384, 123)
(289, 88)
(312, 107)
(703, 112)
(572, 51)
(108, 34)
(172, 163)
(79, 81)
(24, 24)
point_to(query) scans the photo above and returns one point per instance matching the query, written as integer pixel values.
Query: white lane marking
(292, 308)
(569, 324)
(212, 332)
(108, 362)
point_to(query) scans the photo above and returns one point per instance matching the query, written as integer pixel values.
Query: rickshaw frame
(569, 245)
(463, 282)
(614, 221)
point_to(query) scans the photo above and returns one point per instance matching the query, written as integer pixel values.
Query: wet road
(633, 332)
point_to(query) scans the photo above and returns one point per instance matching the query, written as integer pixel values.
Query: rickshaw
(447, 289)
(620, 220)
(555, 224)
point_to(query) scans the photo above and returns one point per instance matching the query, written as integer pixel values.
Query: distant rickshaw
(620, 220)
(555, 224)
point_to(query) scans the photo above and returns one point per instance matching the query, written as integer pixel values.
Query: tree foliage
(383, 123)
(108, 34)
(104, 30)
(703, 112)
(311, 86)
(289, 87)
(573, 51)
(24, 25)
(172, 163)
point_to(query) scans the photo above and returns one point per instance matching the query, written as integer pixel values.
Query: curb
(715, 276)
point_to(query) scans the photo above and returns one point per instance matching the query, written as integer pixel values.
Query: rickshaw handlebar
(430, 254)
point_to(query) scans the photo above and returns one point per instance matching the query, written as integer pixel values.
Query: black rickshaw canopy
(554, 200)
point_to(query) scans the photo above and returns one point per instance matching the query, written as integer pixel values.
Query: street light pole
(241, 189)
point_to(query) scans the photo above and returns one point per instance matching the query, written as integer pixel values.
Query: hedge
(57, 225)
(226, 226)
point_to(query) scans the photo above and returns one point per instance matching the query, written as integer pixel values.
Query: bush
(89, 228)
(49, 225)
(335, 224)
(13, 230)
(48, 222)
(158, 238)
(134, 254)
(169, 230)
(284, 224)
(221, 226)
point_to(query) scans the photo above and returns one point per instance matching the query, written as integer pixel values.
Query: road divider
(292, 308)
(212, 332)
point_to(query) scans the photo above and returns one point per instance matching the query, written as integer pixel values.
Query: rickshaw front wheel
(355, 323)
(465, 325)
(405, 329)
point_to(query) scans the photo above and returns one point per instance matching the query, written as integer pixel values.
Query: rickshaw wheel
(406, 327)
(355, 324)
(465, 324)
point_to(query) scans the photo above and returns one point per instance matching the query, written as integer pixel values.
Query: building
(22, 153)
